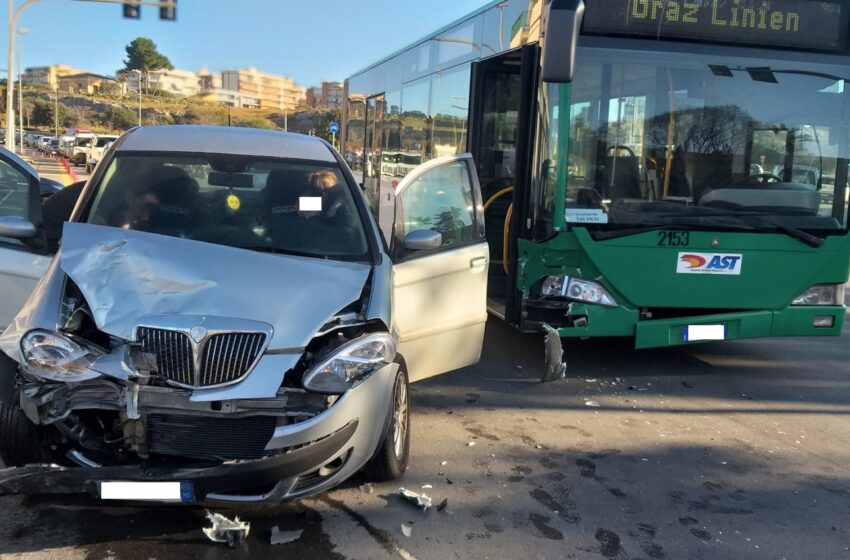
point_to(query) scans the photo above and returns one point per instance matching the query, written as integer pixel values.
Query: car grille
(203, 437)
(224, 358)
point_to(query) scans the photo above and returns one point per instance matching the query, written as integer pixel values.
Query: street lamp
(139, 87)
(21, 31)
(14, 15)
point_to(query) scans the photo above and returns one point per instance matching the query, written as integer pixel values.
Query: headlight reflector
(821, 294)
(350, 364)
(52, 355)
(576, 289)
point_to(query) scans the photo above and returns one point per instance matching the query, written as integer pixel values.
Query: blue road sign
(333, 128)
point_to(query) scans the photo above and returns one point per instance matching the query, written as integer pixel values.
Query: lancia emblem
(715, 242)
(198, 333)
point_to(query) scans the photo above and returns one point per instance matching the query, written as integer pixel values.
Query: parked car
(44, 143)
(223, 318)
(80, 149)
(96, 150)
(53, 146)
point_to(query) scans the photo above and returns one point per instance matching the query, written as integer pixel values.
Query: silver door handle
(477, 262)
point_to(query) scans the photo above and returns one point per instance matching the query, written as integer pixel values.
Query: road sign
(333, 128)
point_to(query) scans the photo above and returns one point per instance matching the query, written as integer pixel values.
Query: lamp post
(21, 31)
(139, 87)
(14, 15)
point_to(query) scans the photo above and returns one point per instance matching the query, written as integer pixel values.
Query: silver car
(224, 321)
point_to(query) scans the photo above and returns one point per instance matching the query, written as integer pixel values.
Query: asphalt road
(733, 450)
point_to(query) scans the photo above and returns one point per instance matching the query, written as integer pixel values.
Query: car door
(439, 285)
(22, 261)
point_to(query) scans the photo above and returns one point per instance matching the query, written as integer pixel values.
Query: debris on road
(224, 530)
(419, 500)
(426, 486)
(442, 505)
(284, 537)
(470, 444)
(594, 404)
(554, 368)
(406, 530)
(367, 488)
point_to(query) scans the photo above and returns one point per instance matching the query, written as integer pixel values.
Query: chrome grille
(223, 357)
(227, 357)
(173, 352)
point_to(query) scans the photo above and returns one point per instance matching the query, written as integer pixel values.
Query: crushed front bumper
(309, 457)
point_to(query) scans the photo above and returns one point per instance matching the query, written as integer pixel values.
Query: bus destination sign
(796, 24)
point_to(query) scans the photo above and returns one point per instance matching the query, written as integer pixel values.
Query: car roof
(225, 140)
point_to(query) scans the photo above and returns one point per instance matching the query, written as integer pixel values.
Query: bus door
(502, 100)
(377, 185)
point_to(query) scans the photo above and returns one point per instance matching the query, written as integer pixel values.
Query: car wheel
(390, 460)
(20, 439)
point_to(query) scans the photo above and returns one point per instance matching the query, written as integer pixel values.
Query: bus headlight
(351, 363)
(52, 355)
(576, 289)
(821, 294)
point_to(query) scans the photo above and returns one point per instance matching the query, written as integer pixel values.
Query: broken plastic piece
(283, 537)
(420, 500)
(554, 367)
(233, 532)
(406, 530)
(471, 444)
(594, 404)
(367, 488)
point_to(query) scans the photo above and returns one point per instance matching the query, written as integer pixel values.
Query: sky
(308, 40)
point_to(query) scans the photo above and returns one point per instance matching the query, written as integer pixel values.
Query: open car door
(440, 260)
(21, 265)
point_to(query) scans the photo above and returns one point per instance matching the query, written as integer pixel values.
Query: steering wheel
(761, 179)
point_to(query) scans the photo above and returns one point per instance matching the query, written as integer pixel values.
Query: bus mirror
(563, 24)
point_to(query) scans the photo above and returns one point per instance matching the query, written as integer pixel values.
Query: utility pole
(139, 87)
(14, 14)
(21, 31)
(56, 110)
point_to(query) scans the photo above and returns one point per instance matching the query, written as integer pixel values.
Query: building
(272, 92)
(327, 96)
(89, 83)
(49, 75)
(177, 82)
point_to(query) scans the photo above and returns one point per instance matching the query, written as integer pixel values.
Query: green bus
(669, 170)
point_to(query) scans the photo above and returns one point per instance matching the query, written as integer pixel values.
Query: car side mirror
(423, 240)
(16, 227)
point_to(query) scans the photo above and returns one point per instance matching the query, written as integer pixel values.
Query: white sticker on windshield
(586, 216)
(310, 203)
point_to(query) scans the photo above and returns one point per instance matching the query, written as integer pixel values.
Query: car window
(269, 205)
(441, 200)
(14, 195)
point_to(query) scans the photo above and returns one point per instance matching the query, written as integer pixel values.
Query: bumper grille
(223, 358)
(200, 437)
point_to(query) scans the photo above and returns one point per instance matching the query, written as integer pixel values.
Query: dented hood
(127, 275)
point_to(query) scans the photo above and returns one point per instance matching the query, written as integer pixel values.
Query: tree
(143, 55)
(42, 114)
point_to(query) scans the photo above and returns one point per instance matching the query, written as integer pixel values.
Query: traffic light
(168, 12)
(132, 10)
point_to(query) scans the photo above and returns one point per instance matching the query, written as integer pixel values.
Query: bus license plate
(148, 491)
(692, 333)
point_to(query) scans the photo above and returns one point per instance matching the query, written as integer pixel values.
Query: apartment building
(271, 91)
(49, 75)
(178, 82)
(326, 96)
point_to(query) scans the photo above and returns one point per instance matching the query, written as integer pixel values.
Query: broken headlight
(576, 289)
(52, 355)
(821, 294)
(351, 363)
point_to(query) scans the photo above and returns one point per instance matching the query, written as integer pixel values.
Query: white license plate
(147, 491)
(693, 333)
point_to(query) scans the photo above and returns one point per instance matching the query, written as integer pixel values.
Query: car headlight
(52, 355)
(576, 289)
(822, 294)
(350, 364)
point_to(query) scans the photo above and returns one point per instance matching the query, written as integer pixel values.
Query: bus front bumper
(822, 320)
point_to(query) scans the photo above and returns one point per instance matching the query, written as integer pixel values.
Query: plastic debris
(444, 462)
(471, 444)
(594, 404)
(224, 530)
(426, 486)
(283, 537)
(554, 367)
(420, 500)
(590, 380)
(367, 488)
(406, 530)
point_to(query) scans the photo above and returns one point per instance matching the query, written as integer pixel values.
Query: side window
(441, 200)
(14, 195)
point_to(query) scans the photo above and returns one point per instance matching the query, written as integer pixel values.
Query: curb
(70, 171)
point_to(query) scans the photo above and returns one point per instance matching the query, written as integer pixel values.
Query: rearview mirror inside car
(423, 240)
(235, 180)
(16, 227)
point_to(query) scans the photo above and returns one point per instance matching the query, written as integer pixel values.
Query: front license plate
(692, 333)
(148, 491)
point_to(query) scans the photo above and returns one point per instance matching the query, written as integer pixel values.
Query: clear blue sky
(309, 40)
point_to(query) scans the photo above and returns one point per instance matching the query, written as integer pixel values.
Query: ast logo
(709, 263)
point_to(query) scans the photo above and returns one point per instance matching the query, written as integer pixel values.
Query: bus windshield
(659, 137)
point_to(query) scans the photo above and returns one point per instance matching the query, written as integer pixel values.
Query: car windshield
(104, 140)
(658, 136)
(269, 205)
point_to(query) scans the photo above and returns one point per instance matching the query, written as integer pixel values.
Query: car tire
(390, 460)
(20, 439)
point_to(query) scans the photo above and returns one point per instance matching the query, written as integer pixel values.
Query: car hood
(126, 275)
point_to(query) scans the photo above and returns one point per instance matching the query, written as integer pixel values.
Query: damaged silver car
(225, 321)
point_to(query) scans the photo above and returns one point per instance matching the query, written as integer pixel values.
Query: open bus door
(501, 121)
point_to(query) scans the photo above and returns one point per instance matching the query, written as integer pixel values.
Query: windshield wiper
(277, 251)
(798, 234)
